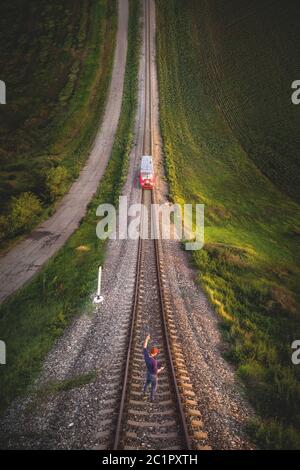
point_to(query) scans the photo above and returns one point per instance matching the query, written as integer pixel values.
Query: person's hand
(148, 337)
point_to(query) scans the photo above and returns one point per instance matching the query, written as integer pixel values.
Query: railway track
(142, 424)
(172, 420)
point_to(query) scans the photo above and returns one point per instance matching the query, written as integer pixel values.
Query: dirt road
(24, 260)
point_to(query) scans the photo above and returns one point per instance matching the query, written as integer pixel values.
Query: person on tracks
(153, 368)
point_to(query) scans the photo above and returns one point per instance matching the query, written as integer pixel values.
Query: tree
(56, 181)
(24, 211)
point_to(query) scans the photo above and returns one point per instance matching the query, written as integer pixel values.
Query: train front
(147, 179)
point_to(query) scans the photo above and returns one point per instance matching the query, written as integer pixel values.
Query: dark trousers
(151, 379)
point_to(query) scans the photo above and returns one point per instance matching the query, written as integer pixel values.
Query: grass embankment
(224, 90)
(38, 314)
(56, 61)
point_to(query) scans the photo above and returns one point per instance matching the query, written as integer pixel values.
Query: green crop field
(56, 60)
(231, 141)
(32, 320)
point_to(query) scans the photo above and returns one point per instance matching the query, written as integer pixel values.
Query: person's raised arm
(146, 341)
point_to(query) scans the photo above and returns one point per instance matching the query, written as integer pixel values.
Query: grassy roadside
(249, 266)
(56, 61)
(32, 321)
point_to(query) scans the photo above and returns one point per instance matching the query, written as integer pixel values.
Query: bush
(24, 211)
(56, 182)
(4, 227)
(273, 435)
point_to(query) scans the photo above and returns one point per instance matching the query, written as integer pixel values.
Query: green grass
(214, 117)
(32, 321)
(56, 59)
(55, 386)
(251, 50)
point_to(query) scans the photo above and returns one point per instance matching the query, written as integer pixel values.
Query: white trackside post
(99, 280)
(98, 298)
(2, 352)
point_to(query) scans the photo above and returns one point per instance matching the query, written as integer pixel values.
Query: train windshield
(146, 175)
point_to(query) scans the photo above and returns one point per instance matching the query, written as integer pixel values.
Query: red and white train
(147, 178)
